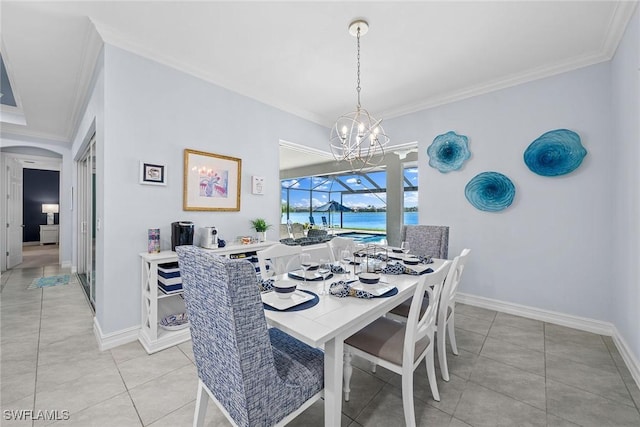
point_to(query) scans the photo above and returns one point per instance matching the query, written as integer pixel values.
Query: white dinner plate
(300, 275)
(376, 290)
(298, 297)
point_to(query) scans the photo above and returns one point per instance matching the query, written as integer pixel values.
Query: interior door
(14, 213)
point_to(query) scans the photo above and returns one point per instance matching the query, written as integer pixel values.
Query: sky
(299, 190)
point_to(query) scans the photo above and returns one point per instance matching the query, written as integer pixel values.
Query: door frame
(26, 161)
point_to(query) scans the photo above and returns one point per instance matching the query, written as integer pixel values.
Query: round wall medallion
(490, 191)
(556, 152)
(448, 152)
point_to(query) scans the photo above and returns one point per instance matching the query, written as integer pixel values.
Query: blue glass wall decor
(448, 152)
(490, 191)
(556, 152)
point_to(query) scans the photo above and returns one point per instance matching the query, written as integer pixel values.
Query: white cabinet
(49, 234)
(156, 304)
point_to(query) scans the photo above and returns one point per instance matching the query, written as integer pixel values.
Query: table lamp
(49, 209)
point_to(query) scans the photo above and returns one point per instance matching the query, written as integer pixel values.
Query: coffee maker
(209, 238)
(181, 234)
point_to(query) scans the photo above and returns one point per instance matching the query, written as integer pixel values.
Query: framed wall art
(211, 182)
(153, 174)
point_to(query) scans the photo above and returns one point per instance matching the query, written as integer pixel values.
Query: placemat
(388, 294)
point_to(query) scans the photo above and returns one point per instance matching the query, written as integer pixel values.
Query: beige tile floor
(511, 371)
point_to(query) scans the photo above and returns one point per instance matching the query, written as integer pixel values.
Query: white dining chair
(337, 244)
(400, 347)
(446, 312)
(279, 258)
(297, 230)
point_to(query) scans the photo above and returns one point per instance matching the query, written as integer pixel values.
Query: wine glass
(405, 247)
(324, 269)
(345, 259)
(305, 263)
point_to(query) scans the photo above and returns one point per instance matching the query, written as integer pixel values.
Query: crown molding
(305, 149)
(114, 38)
(617, 25)
(90, 53)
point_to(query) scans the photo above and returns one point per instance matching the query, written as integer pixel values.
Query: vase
(262, 236)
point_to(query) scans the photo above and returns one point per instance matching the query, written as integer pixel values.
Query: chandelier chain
(358, 87)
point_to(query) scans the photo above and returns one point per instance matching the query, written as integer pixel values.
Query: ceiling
(299, 56)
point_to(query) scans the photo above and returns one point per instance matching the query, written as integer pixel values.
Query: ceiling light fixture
(357, 137)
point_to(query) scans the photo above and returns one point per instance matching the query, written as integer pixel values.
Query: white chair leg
(441, 340)
(346, 373)
(431, 374)
(202, 401)
(407, 398)
(452, 333)
(373, 367)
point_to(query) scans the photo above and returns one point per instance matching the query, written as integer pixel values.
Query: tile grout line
(35, 382)
(621, 377)
(468, 380)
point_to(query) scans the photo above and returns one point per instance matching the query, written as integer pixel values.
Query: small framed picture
(153, 174)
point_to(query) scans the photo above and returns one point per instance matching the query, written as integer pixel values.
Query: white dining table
(327, 324)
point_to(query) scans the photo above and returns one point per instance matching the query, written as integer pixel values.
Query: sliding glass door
(87, 221)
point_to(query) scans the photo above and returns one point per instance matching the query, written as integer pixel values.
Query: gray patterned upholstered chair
(257, 376)
(427, 240)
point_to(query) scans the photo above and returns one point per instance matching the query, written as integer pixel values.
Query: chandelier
(357, 137)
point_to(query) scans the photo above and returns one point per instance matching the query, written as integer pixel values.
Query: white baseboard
(576, 322)
(114, 339)
(66, 264)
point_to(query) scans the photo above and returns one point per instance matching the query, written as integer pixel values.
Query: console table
(156, 304)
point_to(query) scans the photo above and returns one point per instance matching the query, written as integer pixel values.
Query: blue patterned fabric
(337, 269)
(397, 268)
(342, 289)
(259, 375)
(427, 240)
(265, 285)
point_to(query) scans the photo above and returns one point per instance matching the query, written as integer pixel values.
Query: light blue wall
(152, 113)
(625, 78)
(553, 247)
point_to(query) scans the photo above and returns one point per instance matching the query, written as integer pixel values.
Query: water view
(355, 220)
